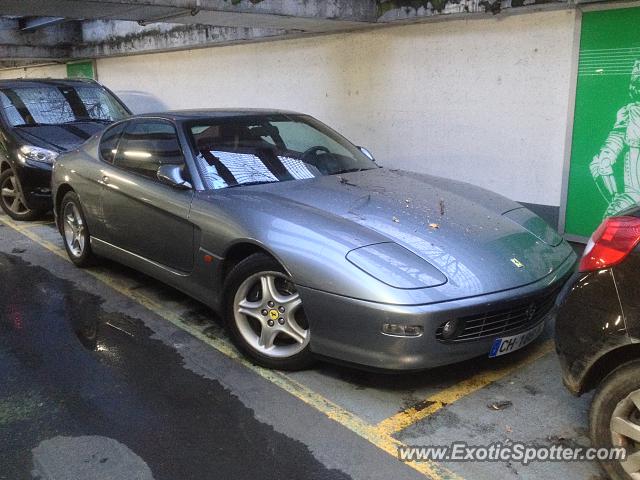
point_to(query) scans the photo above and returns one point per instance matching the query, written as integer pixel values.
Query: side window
(109, 142)
(147, 144)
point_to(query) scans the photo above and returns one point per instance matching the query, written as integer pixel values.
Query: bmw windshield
(59, 104)
(253, 149)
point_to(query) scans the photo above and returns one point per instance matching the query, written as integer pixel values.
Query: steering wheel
(314, 150)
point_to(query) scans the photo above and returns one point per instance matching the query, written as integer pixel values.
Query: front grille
(519, 316)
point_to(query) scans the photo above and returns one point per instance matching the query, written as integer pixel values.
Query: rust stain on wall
(411, 8)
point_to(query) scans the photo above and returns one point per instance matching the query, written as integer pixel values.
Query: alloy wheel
(12, 196)
(74, 230)
(625, 432)
(269, 316)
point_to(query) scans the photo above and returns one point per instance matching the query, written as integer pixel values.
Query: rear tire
(264, 315)
(612, 406)
(75, 232)
(12, 199)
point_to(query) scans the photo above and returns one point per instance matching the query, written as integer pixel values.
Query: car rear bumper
(350, 330)
(589, 326)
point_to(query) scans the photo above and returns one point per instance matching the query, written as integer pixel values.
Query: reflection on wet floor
(125, 386)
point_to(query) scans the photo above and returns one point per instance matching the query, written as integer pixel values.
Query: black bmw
(598, 337)
(40, 119)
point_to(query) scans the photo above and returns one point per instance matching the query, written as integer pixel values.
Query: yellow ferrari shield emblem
(273, 314)
(517, 263)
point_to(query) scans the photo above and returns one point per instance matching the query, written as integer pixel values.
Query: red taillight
(611, 243)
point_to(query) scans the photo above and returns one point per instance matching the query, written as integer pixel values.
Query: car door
(142, 214)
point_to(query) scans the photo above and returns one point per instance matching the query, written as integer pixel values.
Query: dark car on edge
(598, 337)
(39, 119)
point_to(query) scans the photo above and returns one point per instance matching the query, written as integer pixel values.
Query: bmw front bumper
(35, 182)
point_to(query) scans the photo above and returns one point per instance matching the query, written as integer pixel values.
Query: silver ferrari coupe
(305, 246)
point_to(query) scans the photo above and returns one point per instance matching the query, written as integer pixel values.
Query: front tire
(75, 233)
(264, 315)
(12, 199)
(615, 419)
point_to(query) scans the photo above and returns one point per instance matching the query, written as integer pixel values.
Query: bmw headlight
(30, 153)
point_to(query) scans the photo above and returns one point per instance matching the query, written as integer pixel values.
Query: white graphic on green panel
(623, 142)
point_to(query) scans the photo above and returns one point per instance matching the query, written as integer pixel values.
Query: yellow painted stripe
(435, 402)
(25, 230)
(38, 223)
(352, 422)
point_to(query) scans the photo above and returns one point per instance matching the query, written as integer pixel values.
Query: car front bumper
(35, 182)
(350, 330)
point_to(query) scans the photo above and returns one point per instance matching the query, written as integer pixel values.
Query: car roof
(38, 82)
(210, 113)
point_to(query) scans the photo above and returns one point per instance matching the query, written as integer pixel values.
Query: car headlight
(534, 225)
(36, 154)
(396, 266)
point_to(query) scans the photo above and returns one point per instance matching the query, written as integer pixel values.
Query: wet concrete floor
(129, 387)
(149, 400)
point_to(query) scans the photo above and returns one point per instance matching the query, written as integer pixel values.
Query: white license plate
(504, 345)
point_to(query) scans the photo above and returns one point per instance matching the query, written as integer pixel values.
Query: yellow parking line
(38, 223)
(435, 402)
(355, 424)
(24, 230)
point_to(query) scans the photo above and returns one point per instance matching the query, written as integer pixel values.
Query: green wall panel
(81, 69)
(604, 175)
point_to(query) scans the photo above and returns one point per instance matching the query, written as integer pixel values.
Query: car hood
(60, 138)
(481, 241)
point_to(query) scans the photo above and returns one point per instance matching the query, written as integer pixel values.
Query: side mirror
(367, 153)
(171, 174)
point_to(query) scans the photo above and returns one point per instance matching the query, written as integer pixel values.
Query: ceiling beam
(117, 38)
(27, 24)
(13, 64)
(308, 15)
(59, 34)
(129, 27)
(34, 52)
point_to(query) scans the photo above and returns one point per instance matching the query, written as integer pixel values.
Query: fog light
(402, 330)
(449, 329)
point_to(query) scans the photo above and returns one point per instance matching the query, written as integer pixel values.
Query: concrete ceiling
(60, 30)
(310, 15)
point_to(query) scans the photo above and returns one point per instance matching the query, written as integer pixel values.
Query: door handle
(105, 180)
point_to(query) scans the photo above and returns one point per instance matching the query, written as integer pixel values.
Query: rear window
(58, 104)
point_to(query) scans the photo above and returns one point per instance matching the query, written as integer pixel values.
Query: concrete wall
(482, 100)
(53, 71)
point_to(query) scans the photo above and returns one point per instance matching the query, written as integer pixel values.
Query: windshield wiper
(87, 119)
(39, 124)
(350, 170)
(34, 124)
(245, 184)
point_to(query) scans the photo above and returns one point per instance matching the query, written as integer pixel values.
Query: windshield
(57, 104)
(245, 150)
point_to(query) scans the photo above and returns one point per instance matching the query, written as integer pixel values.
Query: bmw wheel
(265, 316)
(74, 231)
(615, 419)
(12, 200)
